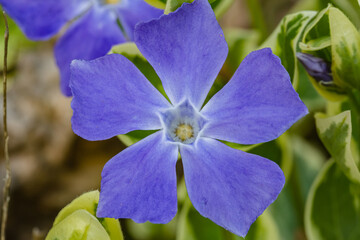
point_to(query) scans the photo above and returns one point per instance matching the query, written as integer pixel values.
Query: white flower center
(182, 123)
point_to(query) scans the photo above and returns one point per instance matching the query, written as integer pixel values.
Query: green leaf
(308, 161)
(349, 7)
(284, 41)
(315, 40)
(221, 6)
(172, 5)
(335, 133)
(333, 206)
(316, 44)
(263, 228)
(241, 42)
(79, 225)
(134, 136)
(345, 41)
(88, 202)
(128, 49)
(157, 3)
(184, 228)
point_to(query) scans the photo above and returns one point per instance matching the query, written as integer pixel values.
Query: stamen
(184, 132)
(112, 1)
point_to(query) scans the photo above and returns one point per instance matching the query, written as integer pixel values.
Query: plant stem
(6, 190)
(257, 17)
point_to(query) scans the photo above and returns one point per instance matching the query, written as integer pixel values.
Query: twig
(6, 191)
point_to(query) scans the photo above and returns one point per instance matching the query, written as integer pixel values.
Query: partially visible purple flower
(187, 49)
(94, 30)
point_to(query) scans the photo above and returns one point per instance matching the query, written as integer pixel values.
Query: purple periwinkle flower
(91, 35)
(187, 49)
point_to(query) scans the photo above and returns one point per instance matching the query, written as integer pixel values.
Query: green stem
(6, 190)
(257, 18)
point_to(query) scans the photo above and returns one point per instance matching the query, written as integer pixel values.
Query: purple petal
(132, 12)
(230, 187)
(112, 97)
(140, 182)
(186, 48)
(42, 19)
(88, 38)
(257, 105)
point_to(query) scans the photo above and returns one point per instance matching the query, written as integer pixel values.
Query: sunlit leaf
(88, 202)
(333, 206)
(335, 133)
(79, 225)
(284, 41)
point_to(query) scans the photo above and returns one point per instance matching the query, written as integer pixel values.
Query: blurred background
(51, 166)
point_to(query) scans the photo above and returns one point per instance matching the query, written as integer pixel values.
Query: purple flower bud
(317, 68)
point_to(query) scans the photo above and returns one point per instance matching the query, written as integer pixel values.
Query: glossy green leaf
(88, 202)
(284, 41)
(333, 206)
(157, 3)
(79, 225)
(335, 133)
(345, 41)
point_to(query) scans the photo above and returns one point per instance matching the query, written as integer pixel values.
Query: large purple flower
(90, 36)
(187, 49)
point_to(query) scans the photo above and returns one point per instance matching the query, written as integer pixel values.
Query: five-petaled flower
(187, 49)
(90, 36)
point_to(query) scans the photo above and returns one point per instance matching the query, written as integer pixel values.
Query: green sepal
(285, 38)
(157, 3)
(332, 209)
(335, 133)
(79, 225)
(87, 202)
